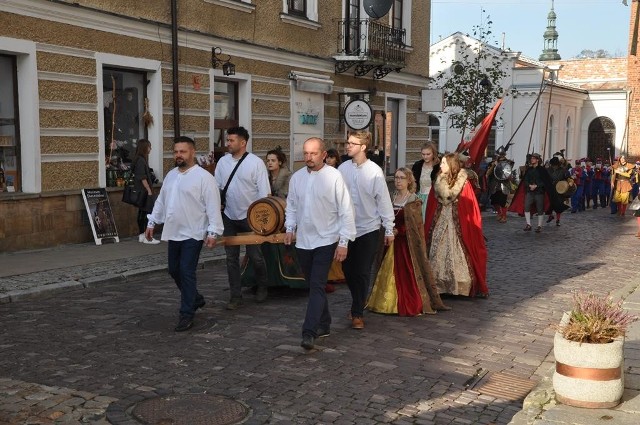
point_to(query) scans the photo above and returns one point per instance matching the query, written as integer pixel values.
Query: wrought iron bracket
(382, 71)
(363, 69)
(344, 66)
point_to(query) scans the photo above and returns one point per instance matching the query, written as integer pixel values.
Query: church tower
(550, 51)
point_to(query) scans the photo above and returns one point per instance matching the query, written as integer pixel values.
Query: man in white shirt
(249, 183)
(320, 213)
(189, 207)
(373, 209)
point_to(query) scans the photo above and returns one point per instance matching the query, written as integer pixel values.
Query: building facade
(578, 106)
(84, 80)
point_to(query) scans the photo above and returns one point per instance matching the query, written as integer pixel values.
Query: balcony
(367, 45)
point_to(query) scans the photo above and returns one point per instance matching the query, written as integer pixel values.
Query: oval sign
(358, 114)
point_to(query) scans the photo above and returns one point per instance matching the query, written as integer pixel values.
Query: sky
(581, 24)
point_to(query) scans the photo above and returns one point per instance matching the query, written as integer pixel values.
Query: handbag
(635, 205)
(134, 196)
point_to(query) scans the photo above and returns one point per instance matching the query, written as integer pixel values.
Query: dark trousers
(232, 228)
(357, 269)
(183, 261)
(142, 221)
(315, 265)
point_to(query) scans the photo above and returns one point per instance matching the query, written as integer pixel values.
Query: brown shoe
(357, 323)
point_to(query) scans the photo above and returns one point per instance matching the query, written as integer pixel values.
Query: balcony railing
(370, 45)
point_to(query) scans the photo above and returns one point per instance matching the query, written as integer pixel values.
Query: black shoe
(550, 218)
(323, 332)
(261, 294)
(307, 342)
(527, 228)
(234, 303)
(200, 302)
(184, 324)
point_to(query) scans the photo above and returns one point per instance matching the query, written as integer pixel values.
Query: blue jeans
(232, 228)
(357, 269)
(183, 261)
(315, 265)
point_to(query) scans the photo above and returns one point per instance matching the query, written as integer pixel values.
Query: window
(396, 14)
(124, 94)
(297, 7)
(10, 172)
(225, 113)
(434, 129)
(352, 28)
(300, 12)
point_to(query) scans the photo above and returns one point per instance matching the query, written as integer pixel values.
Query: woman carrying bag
(144, 178)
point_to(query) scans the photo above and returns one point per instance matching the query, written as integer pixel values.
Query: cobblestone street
(88, 355)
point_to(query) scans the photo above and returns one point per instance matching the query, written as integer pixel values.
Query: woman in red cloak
(453, 230)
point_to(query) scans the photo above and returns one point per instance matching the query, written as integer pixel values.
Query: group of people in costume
(554, 186)
(423, 239)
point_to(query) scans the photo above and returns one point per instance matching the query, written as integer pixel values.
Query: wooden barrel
(266, 215)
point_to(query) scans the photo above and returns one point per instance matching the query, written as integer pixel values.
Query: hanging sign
(358, 114)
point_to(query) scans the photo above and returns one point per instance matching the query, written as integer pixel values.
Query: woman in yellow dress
(404, 284)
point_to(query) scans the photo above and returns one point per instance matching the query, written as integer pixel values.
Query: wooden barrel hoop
(266, 215)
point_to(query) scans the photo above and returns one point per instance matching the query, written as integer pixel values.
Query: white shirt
(188, 205)
(320, 206)
(370, 195)
(249, 183)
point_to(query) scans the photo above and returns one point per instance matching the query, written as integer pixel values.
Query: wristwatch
(213, 235)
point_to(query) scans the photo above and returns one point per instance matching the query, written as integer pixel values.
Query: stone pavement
(96, 354)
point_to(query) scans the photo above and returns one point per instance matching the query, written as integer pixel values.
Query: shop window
(124, 94)
(225, 112)
(10, 172)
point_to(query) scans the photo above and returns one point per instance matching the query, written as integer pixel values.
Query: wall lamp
(227, 67)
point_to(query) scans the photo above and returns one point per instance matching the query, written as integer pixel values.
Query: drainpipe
(174, 62)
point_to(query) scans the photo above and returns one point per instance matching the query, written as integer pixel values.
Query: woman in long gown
(453, 231)
(404, 284)
(422, 170)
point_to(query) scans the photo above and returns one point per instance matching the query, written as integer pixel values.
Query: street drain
(191, 409)
(505, 386)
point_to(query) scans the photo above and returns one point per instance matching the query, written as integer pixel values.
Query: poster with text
(100, 215)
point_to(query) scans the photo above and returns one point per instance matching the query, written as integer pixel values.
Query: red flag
(478, 143)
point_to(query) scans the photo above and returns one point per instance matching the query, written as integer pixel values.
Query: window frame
(29, 110)
(153, 68)
(291, 10)
(16, 128)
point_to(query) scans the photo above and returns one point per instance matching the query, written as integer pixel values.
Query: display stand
(100, 216)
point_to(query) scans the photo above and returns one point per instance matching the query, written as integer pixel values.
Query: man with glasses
(373, 208)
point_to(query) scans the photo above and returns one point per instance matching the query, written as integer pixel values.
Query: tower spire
(550, 51)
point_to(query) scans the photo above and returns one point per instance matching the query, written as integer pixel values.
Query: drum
(566, 188)
(266, 215)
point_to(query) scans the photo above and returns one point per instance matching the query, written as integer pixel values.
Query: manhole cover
(506, 386)
(166, 323)
(190, 409)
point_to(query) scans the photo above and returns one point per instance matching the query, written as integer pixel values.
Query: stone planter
(588, 375)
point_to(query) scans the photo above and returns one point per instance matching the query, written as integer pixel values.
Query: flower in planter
(595, 319)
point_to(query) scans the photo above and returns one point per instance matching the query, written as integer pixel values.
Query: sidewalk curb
(541, 400)
(53, 288)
